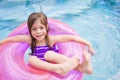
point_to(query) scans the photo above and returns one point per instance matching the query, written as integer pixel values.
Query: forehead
(38, 24)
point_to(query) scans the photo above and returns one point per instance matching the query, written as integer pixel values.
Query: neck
(40, 43)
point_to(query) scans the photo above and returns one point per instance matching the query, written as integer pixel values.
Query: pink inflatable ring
(13, 66)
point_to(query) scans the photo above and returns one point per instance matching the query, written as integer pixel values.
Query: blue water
(98, 21)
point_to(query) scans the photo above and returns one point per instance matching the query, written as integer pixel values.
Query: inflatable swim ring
(13, 66)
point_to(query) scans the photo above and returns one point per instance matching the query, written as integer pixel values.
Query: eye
(33, 28)
(41, 27)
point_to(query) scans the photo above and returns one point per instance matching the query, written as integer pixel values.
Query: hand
(91, 50)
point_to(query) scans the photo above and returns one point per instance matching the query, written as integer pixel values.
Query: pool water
(98, 21)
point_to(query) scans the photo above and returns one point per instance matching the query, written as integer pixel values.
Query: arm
(63, 38)
(18, 38)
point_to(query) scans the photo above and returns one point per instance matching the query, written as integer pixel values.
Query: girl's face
(39, 31)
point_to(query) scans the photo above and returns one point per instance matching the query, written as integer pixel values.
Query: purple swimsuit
(41, 50)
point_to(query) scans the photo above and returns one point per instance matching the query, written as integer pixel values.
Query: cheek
(46, 31)
(32, 33)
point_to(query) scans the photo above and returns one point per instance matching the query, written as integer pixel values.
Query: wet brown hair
(31, 20)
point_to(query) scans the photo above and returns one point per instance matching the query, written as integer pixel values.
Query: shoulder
(51, 40)
(62, 38)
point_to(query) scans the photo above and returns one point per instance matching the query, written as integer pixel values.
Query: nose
(39, 31)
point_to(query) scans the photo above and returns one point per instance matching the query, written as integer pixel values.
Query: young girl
(43, 46)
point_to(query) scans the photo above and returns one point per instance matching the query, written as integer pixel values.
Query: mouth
(39, 37)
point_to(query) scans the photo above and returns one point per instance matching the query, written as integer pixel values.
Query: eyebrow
(39, 26)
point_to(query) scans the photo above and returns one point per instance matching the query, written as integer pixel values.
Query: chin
(40, 39)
